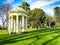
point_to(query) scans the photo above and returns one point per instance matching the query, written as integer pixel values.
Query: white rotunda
(17, 21)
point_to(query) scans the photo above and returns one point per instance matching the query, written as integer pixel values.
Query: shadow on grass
(33, 34)
(51, 40)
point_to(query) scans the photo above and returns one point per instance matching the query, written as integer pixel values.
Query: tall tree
(5, 9)
(2, 18)
(57, 15)
(25, 6)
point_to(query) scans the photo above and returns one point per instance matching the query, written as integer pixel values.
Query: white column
(14, 26)
(17, 24)
(9, 26)
(26, 25)
(22, 23)
(11, 23)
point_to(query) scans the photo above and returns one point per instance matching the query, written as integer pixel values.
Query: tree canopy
(57, 13)
(36, 17)
(25, 6)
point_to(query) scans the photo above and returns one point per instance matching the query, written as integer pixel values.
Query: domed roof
(18, 10)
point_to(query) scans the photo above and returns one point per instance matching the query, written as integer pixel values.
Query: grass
(33, 37)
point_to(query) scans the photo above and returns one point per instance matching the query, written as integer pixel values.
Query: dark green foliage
(57, 13)
(36, 17)
(25, 6)
(52, 24)
(48, 20)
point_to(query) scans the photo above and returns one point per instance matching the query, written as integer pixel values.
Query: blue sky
(46, 5)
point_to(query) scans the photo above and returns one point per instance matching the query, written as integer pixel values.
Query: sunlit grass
(45, 36)
(3, 32)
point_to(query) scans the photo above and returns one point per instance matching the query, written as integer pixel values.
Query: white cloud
(8, 1)
(44, 3)
(39, 4)
(29, 1)
(49, 11)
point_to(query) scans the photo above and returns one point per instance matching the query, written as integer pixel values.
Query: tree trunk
(2, 23)
(3, 26)
(7, 21)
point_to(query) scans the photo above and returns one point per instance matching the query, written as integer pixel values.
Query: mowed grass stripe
(33, 37)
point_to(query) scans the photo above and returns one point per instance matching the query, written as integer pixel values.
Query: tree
(57, 14)
(48, 21)
(5, 9)
(52, 24)
(25, 6)
(2, 18)
(36, 17)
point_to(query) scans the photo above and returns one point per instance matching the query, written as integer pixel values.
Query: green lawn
(33, 37)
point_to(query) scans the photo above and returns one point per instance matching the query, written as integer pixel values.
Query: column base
(23, 32)
(14, 32)
(11, 32)
(17, 32)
